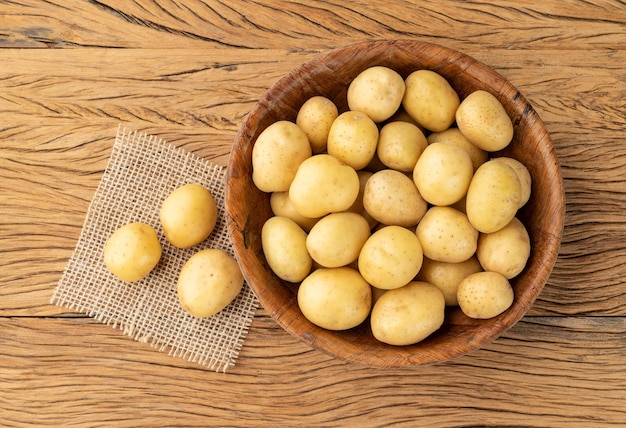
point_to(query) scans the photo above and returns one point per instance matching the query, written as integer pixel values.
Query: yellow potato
(484, 122)
(315, 117)
(443, 173)
(323, 185)
(281, 206)
(446, 235)
(456, 137)
(188, 215)
(522, 173)
(391, 198)
(277, 153)
(409, 314)
(208, 282)
(390, 258)
(447, 276)
(400, 145)
(505, 251)
(493, 197)
(430, 100)
(337, 238)
(335, 298)
(353, 138)
(484, 295)
(132, 251)
(284, 246)
(377, 91)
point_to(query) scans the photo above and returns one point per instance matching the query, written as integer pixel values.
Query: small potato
(446, 235)
(400, 144)
(315, 117)
(391, 198)
(281, 206)
(377, 91)
(390, 258)
(353, 138)
(337, 238)
(456, 137)
(284, 246)
(493, 197)
(505, 251)
(522, 173)
(208, 282)
(484, 122)
(430, 100)
(409, 314)
(188, 215)
(443, 173)
(323, 185)
(335, 298)
(484, 295)
(132, 251)
(277, 153)
(447, 276)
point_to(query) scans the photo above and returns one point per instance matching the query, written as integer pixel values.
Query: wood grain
(44, 384)
(189, 72)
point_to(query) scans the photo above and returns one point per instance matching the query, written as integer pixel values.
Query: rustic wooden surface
(188, 72)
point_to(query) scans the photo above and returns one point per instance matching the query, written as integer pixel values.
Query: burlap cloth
(141, 172)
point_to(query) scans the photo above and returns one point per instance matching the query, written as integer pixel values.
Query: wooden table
(71, 71)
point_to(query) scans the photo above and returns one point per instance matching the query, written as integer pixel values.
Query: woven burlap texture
(142, 171)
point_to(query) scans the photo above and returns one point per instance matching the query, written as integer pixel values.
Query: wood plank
(540, 373)
(251, 25)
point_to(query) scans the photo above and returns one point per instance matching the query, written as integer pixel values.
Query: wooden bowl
(329, 74)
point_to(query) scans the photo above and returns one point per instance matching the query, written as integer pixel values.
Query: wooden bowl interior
(329, 75)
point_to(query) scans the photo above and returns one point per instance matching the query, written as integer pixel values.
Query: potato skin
(276, 155)
(284, 246)
(335, 298)
(336, 240)
(484, 122)
(391, 198)
(485, 295)
(132, 251)
(505, 251)
(523, 175)
(315, 117)
(390, 258)
(353, 138)
(446, 235)
(188, 215)
(377, 91)
(208, 282)
(400, 145)
(493, 197)
(443, 173)
(430, 100)
(322, 185)
(409, 314)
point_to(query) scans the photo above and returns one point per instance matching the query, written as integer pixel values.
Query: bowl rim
(281, 310)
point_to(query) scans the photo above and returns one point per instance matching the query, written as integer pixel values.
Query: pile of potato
(393, 209)
(210, 279)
